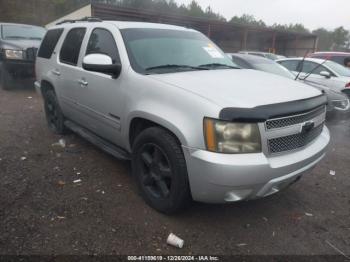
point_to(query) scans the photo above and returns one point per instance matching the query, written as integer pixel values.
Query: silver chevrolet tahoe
(194, 125)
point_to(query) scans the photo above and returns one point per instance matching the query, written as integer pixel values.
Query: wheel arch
(46, 85)
(139, 122)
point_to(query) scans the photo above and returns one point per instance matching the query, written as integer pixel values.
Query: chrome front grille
(294, 132)
(293, 120)
(31, 53)
(292, 142)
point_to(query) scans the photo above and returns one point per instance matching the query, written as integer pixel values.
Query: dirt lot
(43, 212)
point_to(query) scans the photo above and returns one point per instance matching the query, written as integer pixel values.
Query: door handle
(56, 72)
(83, 83)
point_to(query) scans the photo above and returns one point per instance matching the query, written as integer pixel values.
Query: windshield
(274, 68)
(22, 32)
(339, 69)
(157, 51)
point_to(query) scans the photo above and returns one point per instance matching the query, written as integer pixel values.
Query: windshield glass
(156, 51)
(274, 68)
(339, 69)
(22, 32)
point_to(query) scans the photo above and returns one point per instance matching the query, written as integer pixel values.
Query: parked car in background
(18, 48)
(338, 57)
(324, 72)
(281, 57)
(194, 125)
(337, 101)
(262, 54)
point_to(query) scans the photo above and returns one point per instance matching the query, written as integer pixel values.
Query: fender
(156, 119)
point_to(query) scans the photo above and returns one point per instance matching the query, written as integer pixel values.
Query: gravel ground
(43, 212)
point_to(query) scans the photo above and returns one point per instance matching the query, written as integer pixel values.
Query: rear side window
(71, 47)
(290, 64)
(49, 43)
(102, 42)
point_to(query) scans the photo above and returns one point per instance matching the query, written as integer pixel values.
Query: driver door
(100, 97)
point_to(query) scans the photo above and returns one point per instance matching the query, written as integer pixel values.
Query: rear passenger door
(67, 71)
(100, 96)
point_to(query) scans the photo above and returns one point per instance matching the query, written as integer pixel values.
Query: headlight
(342, 105)
(231, 138)
(14, 54)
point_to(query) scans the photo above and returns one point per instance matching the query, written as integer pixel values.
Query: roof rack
(85, 19)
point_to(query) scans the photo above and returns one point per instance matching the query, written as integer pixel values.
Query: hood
(239, 87)
(20, 44)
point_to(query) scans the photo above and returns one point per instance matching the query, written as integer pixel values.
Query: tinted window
(290, 64)
(71, 47)
(49, 43)
(102, 42)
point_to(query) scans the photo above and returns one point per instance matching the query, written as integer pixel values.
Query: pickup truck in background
(19, 44)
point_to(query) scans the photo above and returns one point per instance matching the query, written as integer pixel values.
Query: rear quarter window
(49, 43)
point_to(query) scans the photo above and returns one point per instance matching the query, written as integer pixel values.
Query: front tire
(159, 167)
(54, 115)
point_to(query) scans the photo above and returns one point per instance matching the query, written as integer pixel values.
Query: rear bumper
(220, 178)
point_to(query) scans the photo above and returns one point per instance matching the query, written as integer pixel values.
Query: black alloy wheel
(156, 171)
(160, 170)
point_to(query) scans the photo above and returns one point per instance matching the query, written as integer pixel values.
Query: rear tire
(159, 167)
(54, 115)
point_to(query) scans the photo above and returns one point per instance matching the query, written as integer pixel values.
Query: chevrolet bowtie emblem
(307, 127)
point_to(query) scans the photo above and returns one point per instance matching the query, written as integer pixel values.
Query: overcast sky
(312, 13)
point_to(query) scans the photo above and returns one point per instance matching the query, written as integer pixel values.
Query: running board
(101, 143)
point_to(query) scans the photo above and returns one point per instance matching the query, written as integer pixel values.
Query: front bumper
(220, 178)
(334, 112)
(37, 86)
(19, 69)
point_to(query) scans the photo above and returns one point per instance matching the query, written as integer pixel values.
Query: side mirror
(102, 64)
(325, 74)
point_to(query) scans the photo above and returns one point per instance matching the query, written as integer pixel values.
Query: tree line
(41, 12)
(337, 39)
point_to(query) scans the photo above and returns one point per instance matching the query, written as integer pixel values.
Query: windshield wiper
(213, 65)
(175, 66)
(35, 38)
(313, 70)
